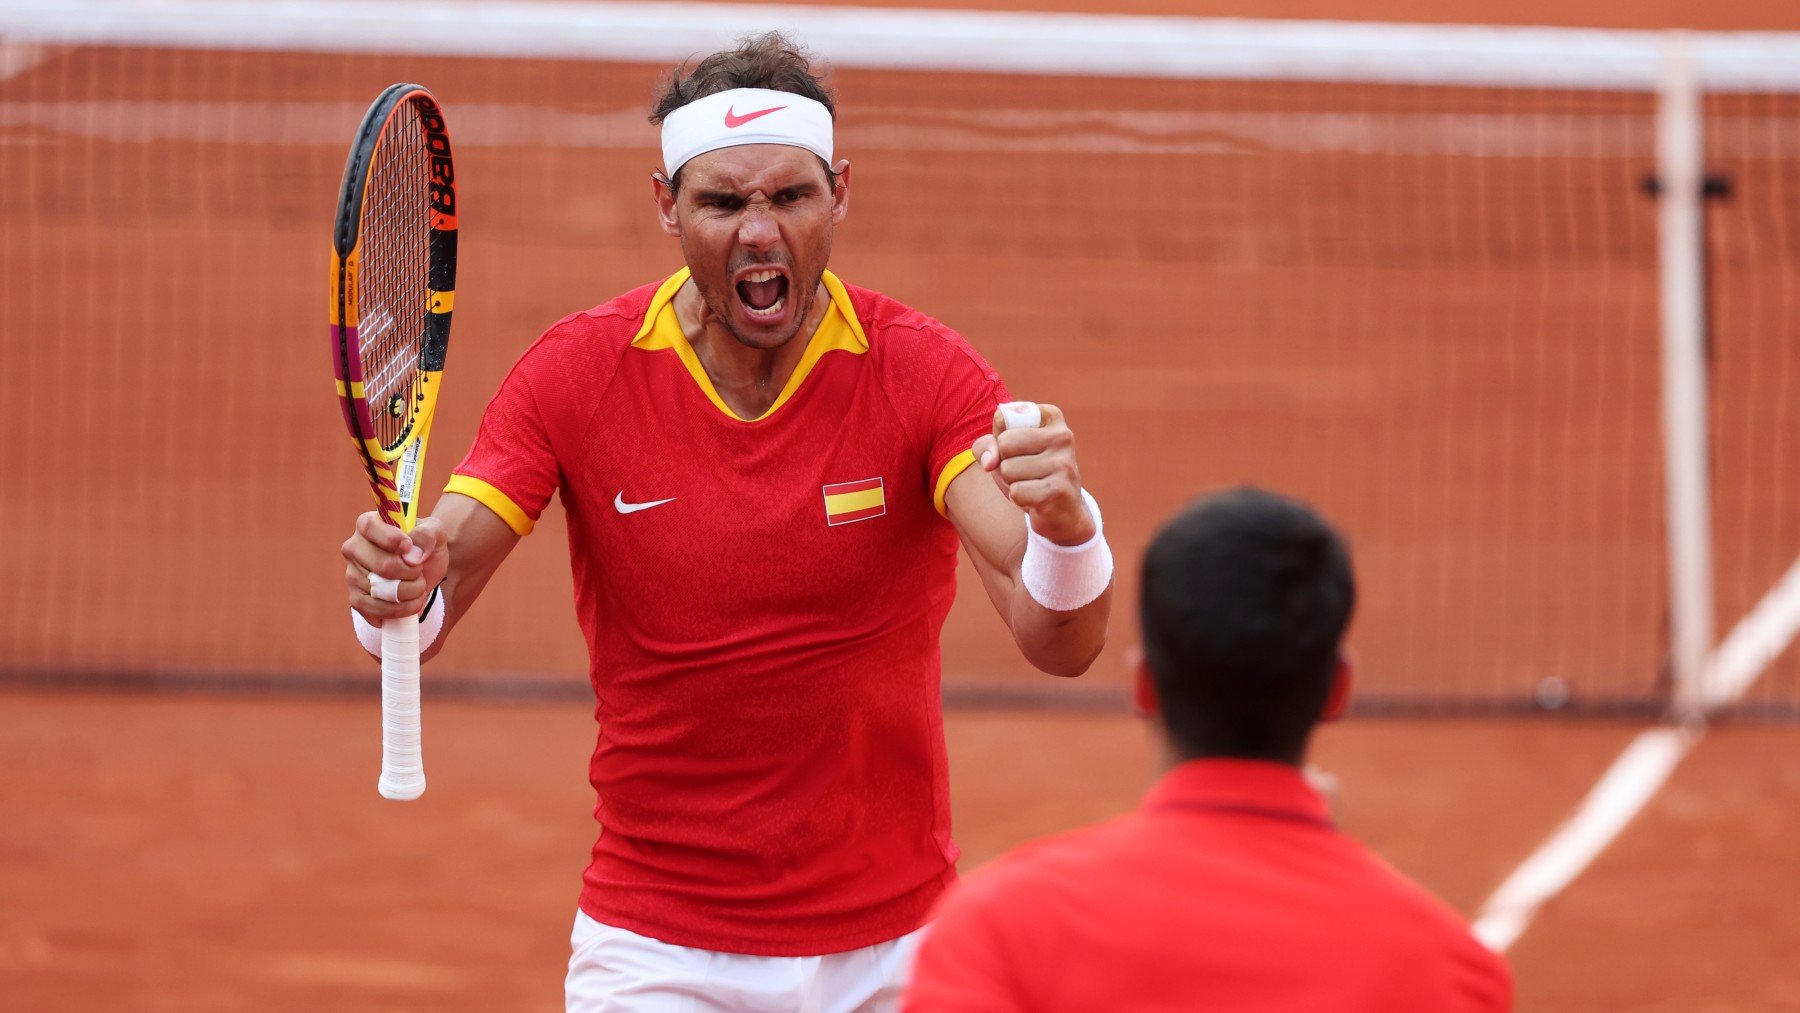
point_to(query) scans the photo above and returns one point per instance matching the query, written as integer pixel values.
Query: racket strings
(393, 274)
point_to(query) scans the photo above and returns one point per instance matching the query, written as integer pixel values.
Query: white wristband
(1063, 578)
(430, 624)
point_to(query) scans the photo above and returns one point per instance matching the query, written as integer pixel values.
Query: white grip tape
(1063, 578)
(430, 625)
(397, 642)
(385, 588)
(402, 761)
(1021, 415)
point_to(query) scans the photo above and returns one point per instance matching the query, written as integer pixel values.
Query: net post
(1684, 386)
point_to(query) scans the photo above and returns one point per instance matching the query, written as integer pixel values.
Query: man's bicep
(988, 523)
(992, 530)
(479, 539)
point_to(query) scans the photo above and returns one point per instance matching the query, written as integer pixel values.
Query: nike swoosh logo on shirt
(733, 120)
(623, 507)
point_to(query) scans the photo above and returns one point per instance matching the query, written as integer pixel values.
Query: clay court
(215, 854)
(1448, 343)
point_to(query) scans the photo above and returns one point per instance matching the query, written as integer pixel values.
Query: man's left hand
(1036, 469)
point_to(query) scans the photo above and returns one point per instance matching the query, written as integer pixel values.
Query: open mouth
(764, 293)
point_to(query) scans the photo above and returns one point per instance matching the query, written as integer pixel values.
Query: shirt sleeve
(961, 966)
(963, 412)
(512, 468)
(1487, 982)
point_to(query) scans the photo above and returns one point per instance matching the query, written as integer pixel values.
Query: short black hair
(1245, 598)
(770, 60)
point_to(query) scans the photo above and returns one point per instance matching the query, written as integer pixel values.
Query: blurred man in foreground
(1230, 888)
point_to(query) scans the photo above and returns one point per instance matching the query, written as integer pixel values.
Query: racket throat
(406, 473)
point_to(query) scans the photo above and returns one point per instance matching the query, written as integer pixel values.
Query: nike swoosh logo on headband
(733, 120)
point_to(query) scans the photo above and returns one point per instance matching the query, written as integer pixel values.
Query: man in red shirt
(1230, 889)
(766, 475)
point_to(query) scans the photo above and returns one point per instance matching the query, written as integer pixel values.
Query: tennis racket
(393, 285)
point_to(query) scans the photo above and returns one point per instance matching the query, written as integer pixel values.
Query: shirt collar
(838, 331)
(1252, 787)
(856, 340)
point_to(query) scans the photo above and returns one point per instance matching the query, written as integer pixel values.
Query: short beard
(802, 309)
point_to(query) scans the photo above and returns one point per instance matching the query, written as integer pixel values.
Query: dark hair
(1245, 598)
(770, 60)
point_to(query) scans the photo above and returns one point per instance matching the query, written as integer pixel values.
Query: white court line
(1756, 641)
(1641, 770)
(1635, 778)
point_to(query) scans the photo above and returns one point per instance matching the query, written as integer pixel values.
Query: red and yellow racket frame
(395, 468)
(394, 471)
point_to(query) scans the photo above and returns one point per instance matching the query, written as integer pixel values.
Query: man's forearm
(1058, 642)
(478, 541)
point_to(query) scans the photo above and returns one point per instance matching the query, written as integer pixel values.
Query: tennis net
(1411, 275)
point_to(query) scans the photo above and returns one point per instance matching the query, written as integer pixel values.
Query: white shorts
(612, 970)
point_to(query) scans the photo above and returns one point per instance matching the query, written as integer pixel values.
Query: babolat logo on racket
(443, 173)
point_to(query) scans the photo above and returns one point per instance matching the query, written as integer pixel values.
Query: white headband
(744, 116)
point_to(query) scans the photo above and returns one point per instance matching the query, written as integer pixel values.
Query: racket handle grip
(402, 760)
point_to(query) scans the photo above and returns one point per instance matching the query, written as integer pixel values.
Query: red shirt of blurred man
(1229, 889)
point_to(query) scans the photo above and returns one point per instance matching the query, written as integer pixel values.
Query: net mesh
(1753, 256)
(1380, 298)
(1430, 311)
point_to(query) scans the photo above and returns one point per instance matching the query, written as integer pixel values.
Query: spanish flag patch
(854, 501)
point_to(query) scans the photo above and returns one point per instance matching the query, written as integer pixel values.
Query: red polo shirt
(761, 600)
(1229, 890)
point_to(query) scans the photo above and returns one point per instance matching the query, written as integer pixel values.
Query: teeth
(763, 276)
(772, 311)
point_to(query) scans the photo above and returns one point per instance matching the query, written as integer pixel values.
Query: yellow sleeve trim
(957, 466)
(495, 500)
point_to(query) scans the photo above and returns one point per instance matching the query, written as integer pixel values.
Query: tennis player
(1230, 889)
(766, 471)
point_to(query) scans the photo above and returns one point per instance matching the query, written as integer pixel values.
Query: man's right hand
(418, 561)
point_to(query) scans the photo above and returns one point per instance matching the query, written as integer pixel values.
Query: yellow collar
(839, 331)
